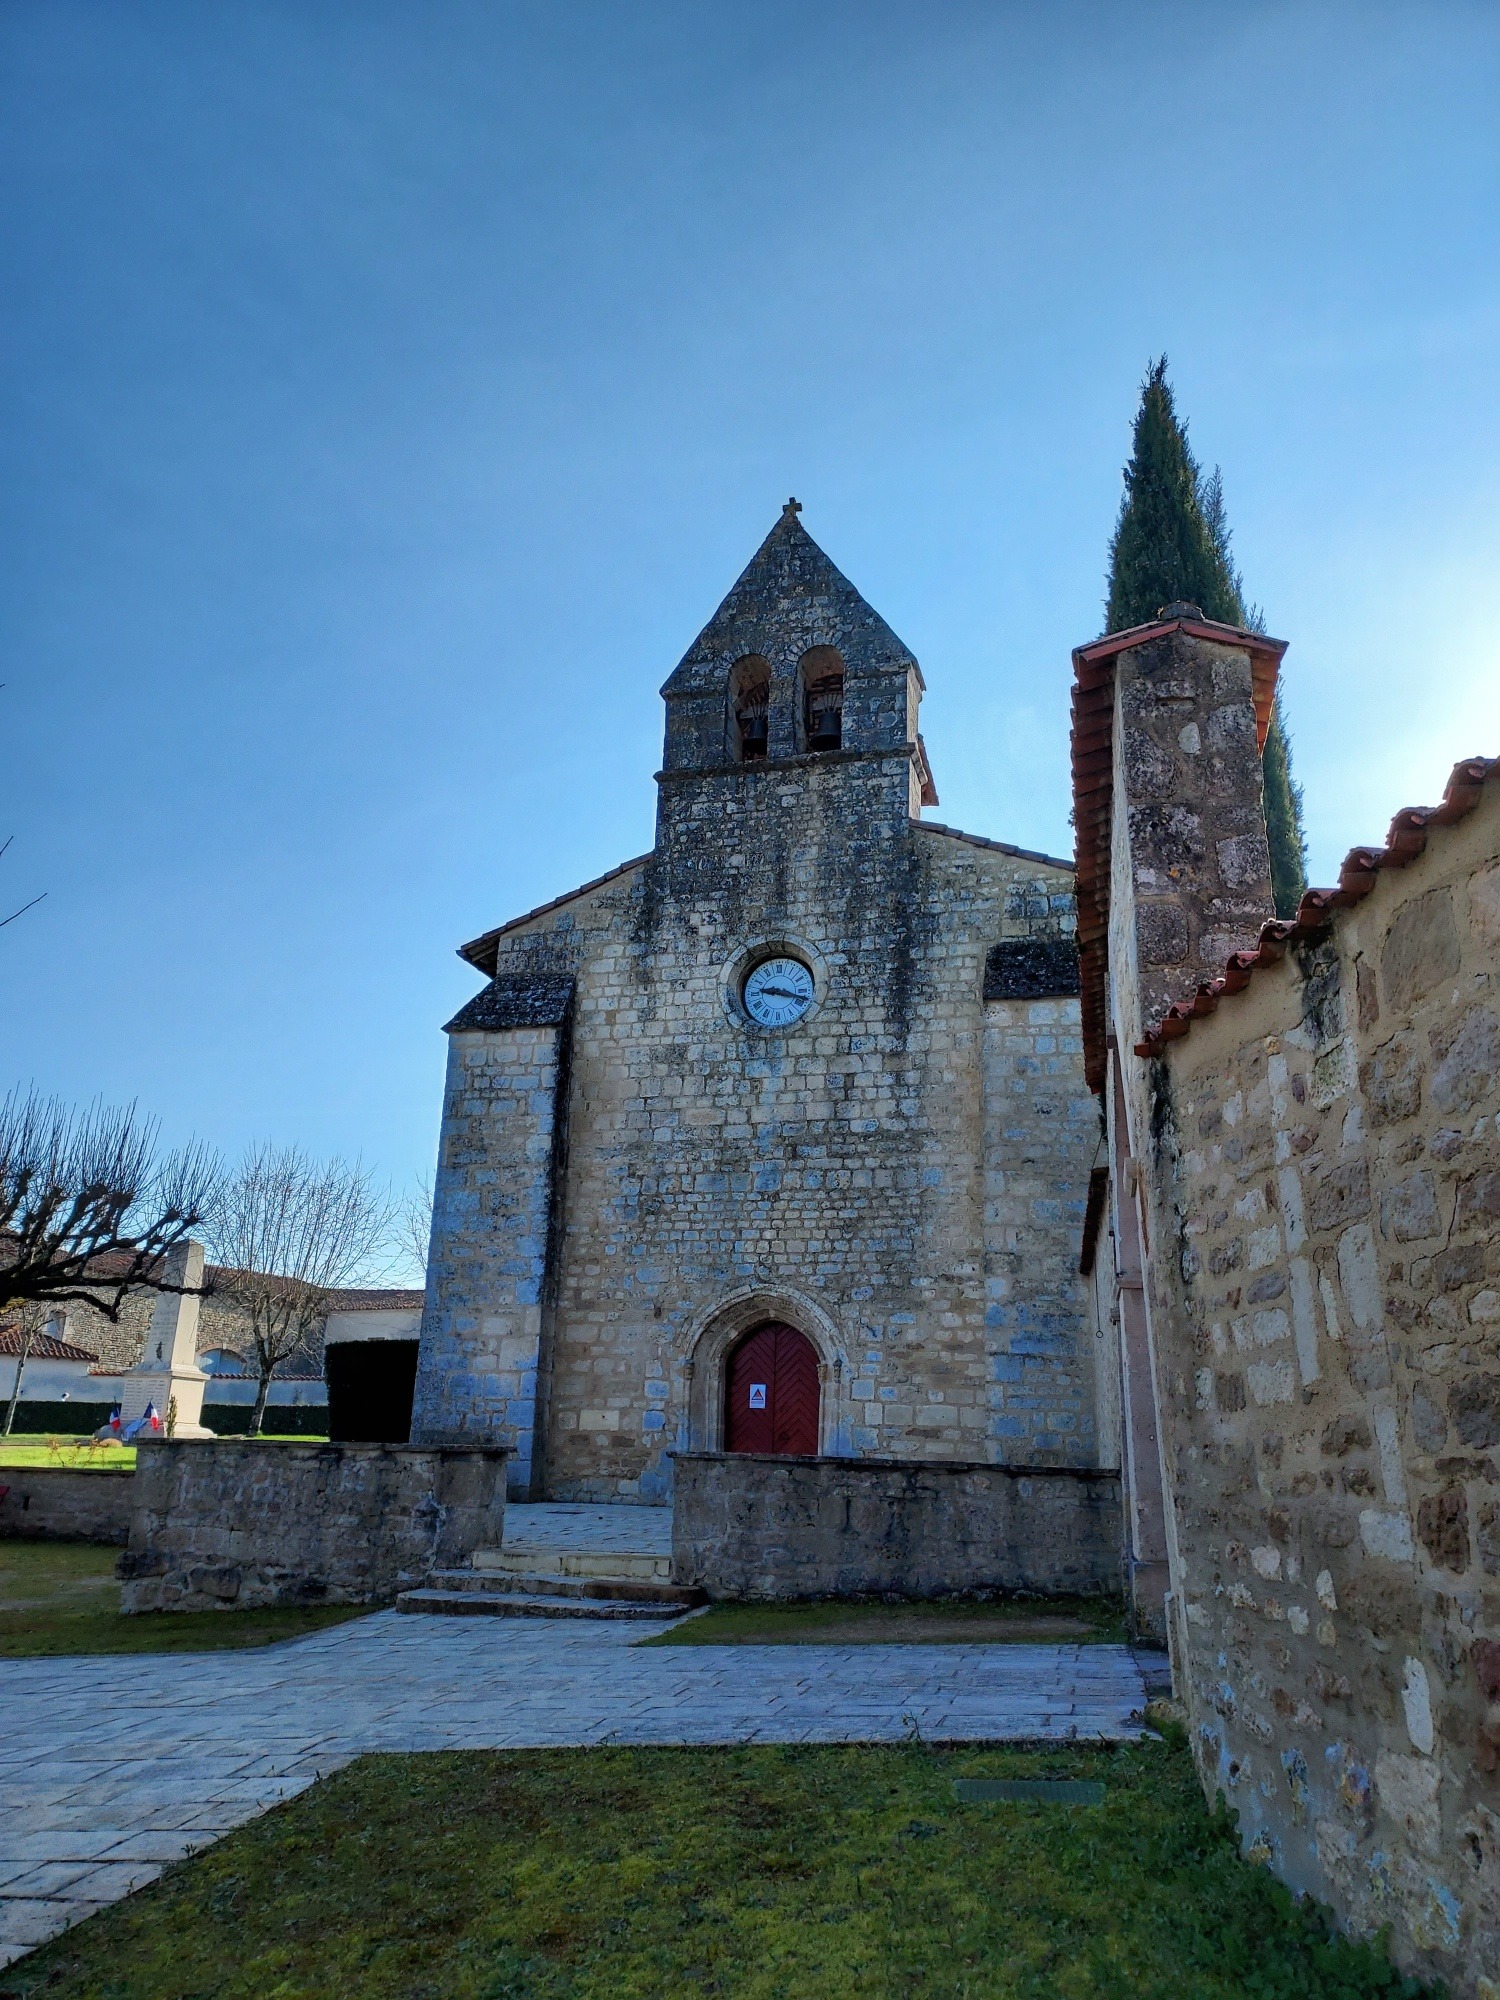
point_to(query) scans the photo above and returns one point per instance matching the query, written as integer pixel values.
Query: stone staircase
(564, 1561)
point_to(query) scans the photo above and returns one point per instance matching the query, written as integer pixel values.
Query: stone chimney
(1174, 874)
(1188, 872)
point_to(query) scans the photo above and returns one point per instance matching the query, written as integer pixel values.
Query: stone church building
(777, 1138)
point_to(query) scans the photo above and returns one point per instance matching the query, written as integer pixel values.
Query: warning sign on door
(757, 1395)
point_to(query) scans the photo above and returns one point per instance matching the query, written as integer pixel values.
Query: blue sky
(392, 392)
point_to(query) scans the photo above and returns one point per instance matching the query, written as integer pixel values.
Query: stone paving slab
(611, 1530)
(89, 1810)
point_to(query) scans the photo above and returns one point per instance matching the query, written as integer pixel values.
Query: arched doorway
(771, 1393)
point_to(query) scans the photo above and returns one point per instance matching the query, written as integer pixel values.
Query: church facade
(776, 1138)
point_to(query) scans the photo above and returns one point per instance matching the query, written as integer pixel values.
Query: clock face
(778, 992)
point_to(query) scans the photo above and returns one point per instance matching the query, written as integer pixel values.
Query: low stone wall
(746, 1526)
(53, 1504)
(231, 1525)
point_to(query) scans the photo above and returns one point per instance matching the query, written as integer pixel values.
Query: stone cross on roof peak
(792, 509)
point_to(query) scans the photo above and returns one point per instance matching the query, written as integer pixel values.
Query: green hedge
(227, 1419)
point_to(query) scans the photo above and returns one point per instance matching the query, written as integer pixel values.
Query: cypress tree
(1171, 544)
(1284, 833)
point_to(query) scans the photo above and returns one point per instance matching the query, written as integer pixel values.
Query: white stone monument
(169, 1368)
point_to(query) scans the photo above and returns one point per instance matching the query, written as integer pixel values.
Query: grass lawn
(81, 1454)
(954, 1622)
(62, 1597)
(756, 1872)
(76, 1454)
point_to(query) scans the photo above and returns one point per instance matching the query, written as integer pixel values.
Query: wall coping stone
(925, 1466)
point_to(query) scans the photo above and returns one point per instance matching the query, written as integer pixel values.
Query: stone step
(632, 1589)
(525, 1604)
(538, 1559)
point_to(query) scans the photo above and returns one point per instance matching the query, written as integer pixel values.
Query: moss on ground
(1086, 1621)
(61, 1597)
(754, 1872)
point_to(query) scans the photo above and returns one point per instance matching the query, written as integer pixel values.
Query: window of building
(823, 699)
(222, 1361)
(750, 709)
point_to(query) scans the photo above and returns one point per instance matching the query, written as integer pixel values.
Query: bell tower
(794, 665)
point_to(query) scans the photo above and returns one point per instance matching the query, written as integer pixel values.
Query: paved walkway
(114, 1767)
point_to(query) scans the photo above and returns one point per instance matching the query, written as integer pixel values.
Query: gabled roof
(789, 597)
(1405, 841)
(1093, 788)
(1031, 968)
(480, 952)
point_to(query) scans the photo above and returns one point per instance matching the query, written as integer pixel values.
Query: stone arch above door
(719, 1329)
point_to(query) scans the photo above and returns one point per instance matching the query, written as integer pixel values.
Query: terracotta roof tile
(45, 1347)
(1406, 840)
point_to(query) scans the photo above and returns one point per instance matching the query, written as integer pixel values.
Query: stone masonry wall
(844, 1164)
(1189, 882)
(1041, 1129)
(1193, 882)
(233, 1525)
(481, 1352)
(745, 1526)
(1325, 1268)
(50, 1503)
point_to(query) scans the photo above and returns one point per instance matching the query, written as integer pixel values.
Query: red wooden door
(771, 1394)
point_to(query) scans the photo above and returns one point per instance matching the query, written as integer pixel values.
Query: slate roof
(1031, 969)
(517, 1000)
(1405, 841)
(378, 1299)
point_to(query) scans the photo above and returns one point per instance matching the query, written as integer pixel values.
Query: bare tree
(33, 1319)
(411, 1232)
(4, 845)
(88, 1211)
(288, 1230)
(4, 849)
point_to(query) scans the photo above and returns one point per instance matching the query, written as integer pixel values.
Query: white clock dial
(778, 992)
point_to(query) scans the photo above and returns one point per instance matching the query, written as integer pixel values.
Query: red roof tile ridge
(1110, 643)
(1406, 840)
